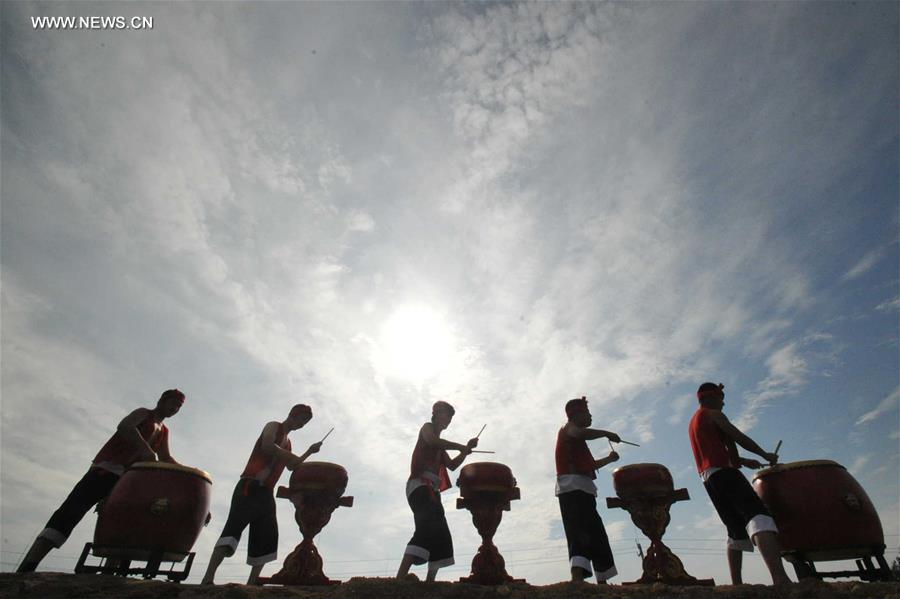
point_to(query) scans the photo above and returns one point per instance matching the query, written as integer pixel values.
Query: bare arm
(612, 457)
(741, 439)
(128, 430)
(163, 452)
(433, 440)
(455, 462)
(288, 458)
(581, 432)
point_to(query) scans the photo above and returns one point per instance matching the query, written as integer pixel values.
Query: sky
(367, 207)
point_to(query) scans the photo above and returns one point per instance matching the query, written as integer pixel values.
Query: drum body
(485, 476)
(319, 476)
(154, 507)
(820, 509)
(636, 481)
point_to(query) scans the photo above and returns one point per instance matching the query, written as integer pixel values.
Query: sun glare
(417, 343)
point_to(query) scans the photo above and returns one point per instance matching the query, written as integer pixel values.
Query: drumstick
(326, 435)
(628, 443)
(777, 447)
(481, 451)
(481, 431)
(611, 448)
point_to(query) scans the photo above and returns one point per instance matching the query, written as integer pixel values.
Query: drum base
(116, 561)
(805, 567)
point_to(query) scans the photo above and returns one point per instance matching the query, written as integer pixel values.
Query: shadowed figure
(714, 441)
(431, 542)
(589, 550)
(253, 500)
(140, 437)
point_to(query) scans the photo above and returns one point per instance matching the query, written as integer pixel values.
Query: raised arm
(128, 430)
(290, 459)
(432, 440)
(581, 432)
(741, 439)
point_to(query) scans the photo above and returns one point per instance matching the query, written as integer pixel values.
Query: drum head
(796, 466)
(172, 468)
(634, 467)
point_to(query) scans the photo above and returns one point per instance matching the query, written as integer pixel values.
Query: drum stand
(312, 511)
(487, 507)
(121, 566)
(651, 515)
(805, 567)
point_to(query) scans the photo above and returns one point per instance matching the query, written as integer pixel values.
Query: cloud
(859, 464)
(889, 305)
(886, 405)
(591, 197)
(787, 374)
(864, 265)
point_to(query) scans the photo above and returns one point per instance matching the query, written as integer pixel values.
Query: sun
(417, 343)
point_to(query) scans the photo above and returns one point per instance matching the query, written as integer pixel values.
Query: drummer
(140, 437)
(253, 499)
(713, 440)
(431, 542)
(589, 550)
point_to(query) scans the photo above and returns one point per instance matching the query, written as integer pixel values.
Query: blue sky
(371, 206)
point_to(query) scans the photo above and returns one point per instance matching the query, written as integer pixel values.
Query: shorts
(253, 505)
(739, 507)
(586, 535)
(93, 487)
(431, 542)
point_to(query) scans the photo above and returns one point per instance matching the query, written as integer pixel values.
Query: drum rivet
(852, 502)
(160, 506)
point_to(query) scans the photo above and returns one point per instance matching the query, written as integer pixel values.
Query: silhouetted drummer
(431, 542)
(589, 550)
(140, 437)
(253, 499)
(714, 441)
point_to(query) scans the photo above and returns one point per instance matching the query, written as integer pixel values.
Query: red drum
(820, 510)
(319, 476)
(155, 506)
(485, 476)
(638, 481)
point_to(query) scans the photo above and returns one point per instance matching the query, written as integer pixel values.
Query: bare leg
(432, 574)
(218, 554)
(578, 574)
(771, 552)
(735, 561)
(38, 551)
(254, 575)
(405, 563)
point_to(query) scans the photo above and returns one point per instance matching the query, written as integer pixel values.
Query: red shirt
(119, 453)
(426, 458)
(267, 468)
(712, 448)
(573, 456)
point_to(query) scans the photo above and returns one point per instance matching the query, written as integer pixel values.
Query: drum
(820, 510)
(154, 507)
(485, 476)
(319, 476)
(637, 481)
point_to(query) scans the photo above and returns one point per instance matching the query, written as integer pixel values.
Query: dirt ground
(48, 585)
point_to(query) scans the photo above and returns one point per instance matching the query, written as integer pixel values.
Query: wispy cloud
(864, 265)
(889, 305)
(788, 371)
(886, 405)
(586, 198)
(858, 467)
